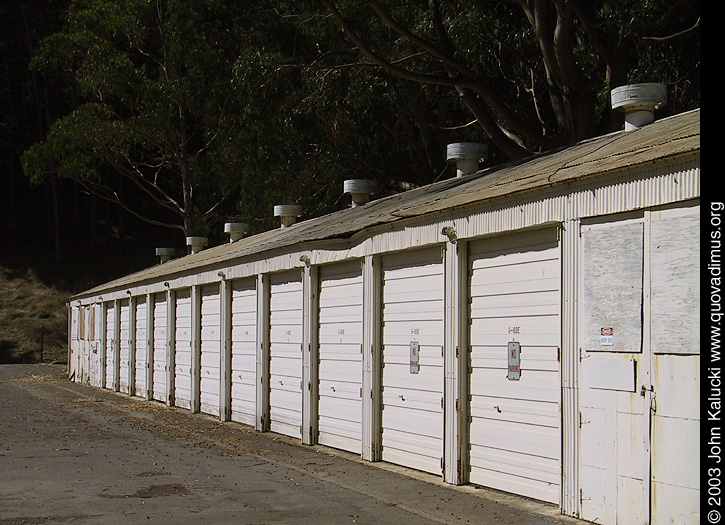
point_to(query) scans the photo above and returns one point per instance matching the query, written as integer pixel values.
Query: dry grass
(33, 319)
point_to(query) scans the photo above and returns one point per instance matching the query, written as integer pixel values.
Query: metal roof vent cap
(359, 189)
(639, 101)
(236, 230)
(197, 243)
(467, 156)
(165, 254)
(287, 213)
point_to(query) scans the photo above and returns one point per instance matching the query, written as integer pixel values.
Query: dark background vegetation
(239, 106)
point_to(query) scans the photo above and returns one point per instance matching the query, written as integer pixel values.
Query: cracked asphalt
(70, 453)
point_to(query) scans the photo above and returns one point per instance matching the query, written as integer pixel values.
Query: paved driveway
(76, 454)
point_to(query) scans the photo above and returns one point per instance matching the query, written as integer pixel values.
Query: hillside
(33, 319)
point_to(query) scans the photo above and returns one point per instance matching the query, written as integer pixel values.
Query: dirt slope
(33, 319)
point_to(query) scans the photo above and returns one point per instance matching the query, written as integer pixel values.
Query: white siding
(244, 345)
(515, 424)
(412, 419)
(340, 356)
(210, 349)
(159, 373)
(285, 350)
(182, 373)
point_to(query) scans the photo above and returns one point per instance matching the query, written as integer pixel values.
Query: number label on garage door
(514, 365)
(414, 357)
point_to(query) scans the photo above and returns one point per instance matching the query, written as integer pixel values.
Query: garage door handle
(498, 409)
(401, 397)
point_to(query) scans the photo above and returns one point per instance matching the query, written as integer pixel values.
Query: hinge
(361, 392)
(457, 351)
(443, 465)
(309, 386)
(441, 402)
(458, 405)
(558, 354)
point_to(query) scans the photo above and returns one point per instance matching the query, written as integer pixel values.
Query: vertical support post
(117, 341)
(132, 302)
(262, 358)
(371, 388)
(225, 358)
(570, 271)
(195, 348)
(170, 347)
(455, 364)
(310, 362)
(149, 346)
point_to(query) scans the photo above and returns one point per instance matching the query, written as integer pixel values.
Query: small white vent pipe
(236, 230)
(287, 213)
(639, 102)
(359, 189)
(197, 244)
(467, 156)
(165, 254)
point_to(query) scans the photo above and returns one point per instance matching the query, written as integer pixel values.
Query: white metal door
(340, 356)
(159, 373)
(124, 347)
(515, 297)
(210, 349)
(412, 375)
(111, 344)
(141, 347)
(244, 339)
(182, 372)
(285, 350)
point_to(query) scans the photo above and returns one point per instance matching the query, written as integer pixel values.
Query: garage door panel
(111, 345)
(340, 336)
(182, 370)
(141, 347)
(412, 312)
(124, 348)
(159, 373)
(515, 429)
(244, 351)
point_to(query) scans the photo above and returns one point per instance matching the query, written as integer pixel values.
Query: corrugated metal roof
(665, 138)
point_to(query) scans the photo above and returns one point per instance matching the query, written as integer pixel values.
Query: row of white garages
(236, 349)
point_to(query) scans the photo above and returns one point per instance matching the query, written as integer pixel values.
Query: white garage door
(340, 356)
(141, 347)
(182, 373)
(413, 307)
(124, 347)
(210, 349)
(159, 374)
(244, 351)
(285, 350)
(515, 427)
(111, 344)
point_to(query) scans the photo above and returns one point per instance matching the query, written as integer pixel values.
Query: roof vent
(360, 190)
(287, 213)
(165, 254)
(467, 156)
(639, 101)
(236, 230)
(197, 243)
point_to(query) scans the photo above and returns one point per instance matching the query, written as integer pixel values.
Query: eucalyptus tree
(154, 89)
(533, 74)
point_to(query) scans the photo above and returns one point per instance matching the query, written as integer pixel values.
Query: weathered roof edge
(666, 138)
